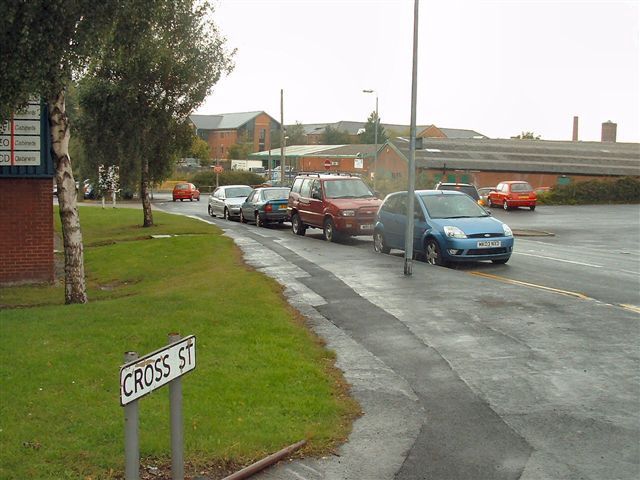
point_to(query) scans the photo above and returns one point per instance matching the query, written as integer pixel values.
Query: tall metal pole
(131, 439)
(282, 147)
(375, 140)
(408, 236)
(177, 432)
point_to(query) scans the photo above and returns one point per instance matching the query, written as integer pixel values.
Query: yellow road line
(633, 308)
(532, 285)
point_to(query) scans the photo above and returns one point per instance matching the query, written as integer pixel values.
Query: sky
(497, 67)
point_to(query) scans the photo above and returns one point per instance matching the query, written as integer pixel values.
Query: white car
(226, 200)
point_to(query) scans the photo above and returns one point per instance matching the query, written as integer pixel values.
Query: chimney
(609, 131)
(575, 129)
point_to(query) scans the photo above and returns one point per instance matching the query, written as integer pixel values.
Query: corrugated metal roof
(586, 158)
(294, 151)
(461, 133)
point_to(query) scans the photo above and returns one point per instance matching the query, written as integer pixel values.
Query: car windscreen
(468, 189)
(452, 206)
(238, 192)
(346, 189)
(276, 194)
(521, 187)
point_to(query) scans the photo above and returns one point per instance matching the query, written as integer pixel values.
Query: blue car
(265, 205)
(449, 227)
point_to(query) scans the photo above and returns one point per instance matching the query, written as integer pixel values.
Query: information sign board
(144, 375)
(20, 137)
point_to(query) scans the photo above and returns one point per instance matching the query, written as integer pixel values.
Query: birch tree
(43, 44)
(158, 63)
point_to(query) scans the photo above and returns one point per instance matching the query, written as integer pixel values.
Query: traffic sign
(156, 369)
(327, 164)
(218, 169)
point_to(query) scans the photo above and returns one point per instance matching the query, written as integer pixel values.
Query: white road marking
(560, 260)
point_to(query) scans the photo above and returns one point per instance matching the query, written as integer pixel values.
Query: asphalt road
(527, 371)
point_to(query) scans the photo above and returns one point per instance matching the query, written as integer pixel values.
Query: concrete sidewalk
(459, 377)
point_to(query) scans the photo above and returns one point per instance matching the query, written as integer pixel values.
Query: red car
(186, 191)
(513, 195)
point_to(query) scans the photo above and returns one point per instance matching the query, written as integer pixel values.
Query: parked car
(226, 200)
(341, 205)
(484, 194)
(186, 191)
(467, 188)
(513, 194)
(449, 227)
(265, 205)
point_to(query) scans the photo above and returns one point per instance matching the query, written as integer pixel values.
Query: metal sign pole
(131, 440)
(177, 434)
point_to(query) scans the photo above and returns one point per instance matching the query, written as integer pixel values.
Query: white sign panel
(21, 127)
(358, 163)
(20, 142)
(29, 112)
(156, 369)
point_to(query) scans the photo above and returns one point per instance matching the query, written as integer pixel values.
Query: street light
(375, 140)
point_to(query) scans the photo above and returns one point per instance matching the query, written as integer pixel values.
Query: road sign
(327, 164)
(156, 369)
(218, 169)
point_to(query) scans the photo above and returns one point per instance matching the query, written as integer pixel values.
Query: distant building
(315, 131)
(223, 130)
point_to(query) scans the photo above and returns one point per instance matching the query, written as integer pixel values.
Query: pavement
(460, 377)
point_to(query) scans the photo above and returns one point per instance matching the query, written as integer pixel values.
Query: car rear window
(276, 194)
(182, 186)
(468, 189)
(521, 187)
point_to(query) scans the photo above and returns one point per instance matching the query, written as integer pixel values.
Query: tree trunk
(75, 288)
(144, 194)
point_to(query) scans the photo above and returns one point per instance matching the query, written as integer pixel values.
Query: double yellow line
(568, 293)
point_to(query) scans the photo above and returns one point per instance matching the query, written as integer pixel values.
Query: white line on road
(560, 260)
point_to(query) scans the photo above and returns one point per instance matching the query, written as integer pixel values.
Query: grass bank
(262, 381)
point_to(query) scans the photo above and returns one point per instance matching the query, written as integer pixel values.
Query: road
(465, 376)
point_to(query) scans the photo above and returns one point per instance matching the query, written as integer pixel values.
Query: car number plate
(366, 227)
(524, 196)
(282, 207)
(489, 244)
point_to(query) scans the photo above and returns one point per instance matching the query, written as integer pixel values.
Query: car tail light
(268, 207)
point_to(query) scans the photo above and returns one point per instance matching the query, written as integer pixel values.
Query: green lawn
(262, 381)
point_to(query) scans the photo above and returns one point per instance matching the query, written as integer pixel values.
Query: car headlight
(454, 232)
(348, 213)
(507, 230)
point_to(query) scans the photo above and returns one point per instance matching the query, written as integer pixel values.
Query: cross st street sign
(156, 369)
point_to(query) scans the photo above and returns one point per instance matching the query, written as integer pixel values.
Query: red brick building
(222, 131)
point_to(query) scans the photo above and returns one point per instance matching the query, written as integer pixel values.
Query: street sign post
(140, 376)
(327, 164)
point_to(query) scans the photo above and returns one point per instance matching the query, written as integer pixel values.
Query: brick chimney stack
(575, 129)
(609, 131)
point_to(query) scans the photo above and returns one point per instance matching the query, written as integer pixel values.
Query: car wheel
(198, 199)
(329, 231)
(297, 227)
(500, 261)
(505, 205)
(490, 203)
(210, 211)
(378, 243)
(532, 208)
(191, 199)
(242, 219)
(225, 215)
(433, 255)
(259, 222)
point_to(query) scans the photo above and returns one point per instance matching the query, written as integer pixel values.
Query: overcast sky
(497, 67)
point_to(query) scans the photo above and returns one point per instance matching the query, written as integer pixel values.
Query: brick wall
(26, 230)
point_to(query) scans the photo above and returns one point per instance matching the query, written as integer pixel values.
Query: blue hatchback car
(449, 227)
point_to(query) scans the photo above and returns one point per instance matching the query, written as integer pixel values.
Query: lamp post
(375, 139)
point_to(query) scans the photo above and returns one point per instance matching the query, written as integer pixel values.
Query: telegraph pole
(282, 136)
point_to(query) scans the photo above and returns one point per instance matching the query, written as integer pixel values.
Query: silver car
(226, 200)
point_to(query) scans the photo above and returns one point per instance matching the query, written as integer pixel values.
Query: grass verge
(263, 381)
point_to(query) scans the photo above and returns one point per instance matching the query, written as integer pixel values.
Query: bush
(621, 190)
(235, 177)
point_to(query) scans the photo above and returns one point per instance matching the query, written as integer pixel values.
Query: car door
(316, 204)
(396, 222)
(304, 201)
(218, 201)
(248, 206)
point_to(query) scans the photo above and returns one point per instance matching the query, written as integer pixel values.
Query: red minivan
(513, 195)
(341, 205)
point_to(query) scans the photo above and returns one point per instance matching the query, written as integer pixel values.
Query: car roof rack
(327, 174)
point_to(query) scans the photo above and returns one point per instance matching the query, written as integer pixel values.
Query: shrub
(235, 177)
(621, 190)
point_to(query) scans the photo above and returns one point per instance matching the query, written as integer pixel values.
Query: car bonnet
(470, 226)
